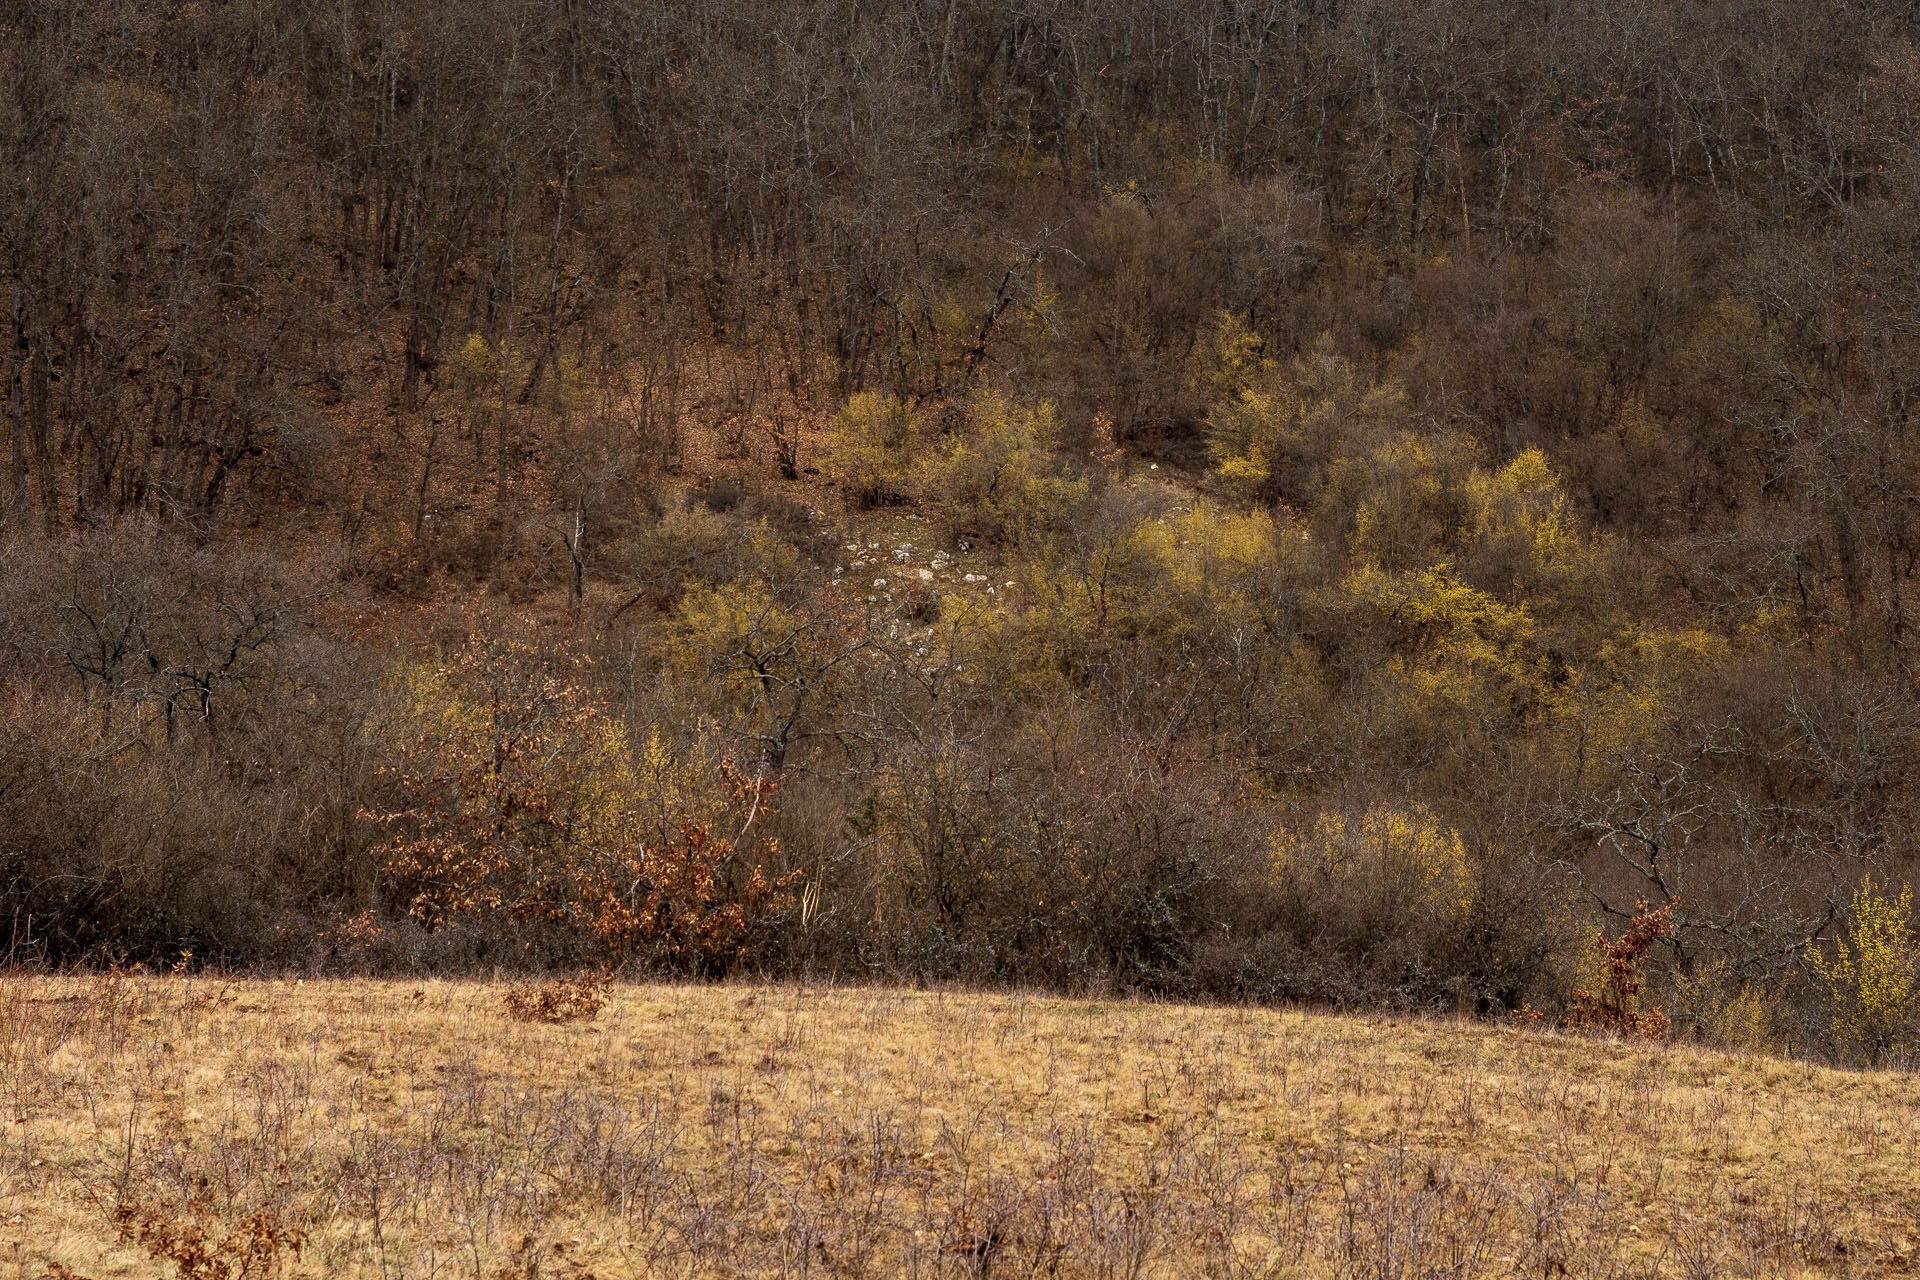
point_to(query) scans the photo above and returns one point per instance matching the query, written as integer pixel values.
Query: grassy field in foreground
(162, 1126)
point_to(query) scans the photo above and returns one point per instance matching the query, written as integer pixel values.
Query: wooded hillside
(1324, 501)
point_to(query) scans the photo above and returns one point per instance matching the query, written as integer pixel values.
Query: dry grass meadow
(161, 1126)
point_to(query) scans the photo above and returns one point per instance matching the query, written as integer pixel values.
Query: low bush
(564, 1000)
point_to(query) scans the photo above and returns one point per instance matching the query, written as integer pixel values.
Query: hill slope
(416, 1130)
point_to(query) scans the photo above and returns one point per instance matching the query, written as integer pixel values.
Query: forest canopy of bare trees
(1312, 500)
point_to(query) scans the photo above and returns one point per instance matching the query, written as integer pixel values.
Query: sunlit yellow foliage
(425, 701)
(1233, 358)
(659, 780)
(504, 762)
(1250, 433)
(1524, 499)
(1039, 311)
(483, 365)
(1775, 622)
(1410, 505)
(868, 447)
(1203, 547)
(686, 534)
(1455, 656)
(1407, 850)
(1417, 499)
(1337, 389)
(1261, 419)
(1633, 685)
(1873, 977)
(485, 371)
(1441, 615)
(446, 712)
(999, 467)
(951, 320)
(1520, 511)
(717, 629)
(1249, 420)
(1727, 1011)
(1197, 575)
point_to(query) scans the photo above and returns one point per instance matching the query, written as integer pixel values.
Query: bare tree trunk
(20, 354)
(426, 476)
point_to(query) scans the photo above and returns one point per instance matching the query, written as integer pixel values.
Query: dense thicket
(1275, 500)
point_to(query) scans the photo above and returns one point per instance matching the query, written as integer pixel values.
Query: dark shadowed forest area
(1380, 503)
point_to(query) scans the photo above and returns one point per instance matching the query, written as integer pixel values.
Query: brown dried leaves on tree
(524, 802)
(1616, 1006)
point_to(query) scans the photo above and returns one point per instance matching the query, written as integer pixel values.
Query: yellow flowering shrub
(1404, 849)
(869, 448)
(1452, 649)
(1522, 509)
(997, 472)
(1872, 979)
(1633, 685)
(1409, 497)
(1261, 419)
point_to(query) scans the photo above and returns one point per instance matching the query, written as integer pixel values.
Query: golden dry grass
(417, 1130)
